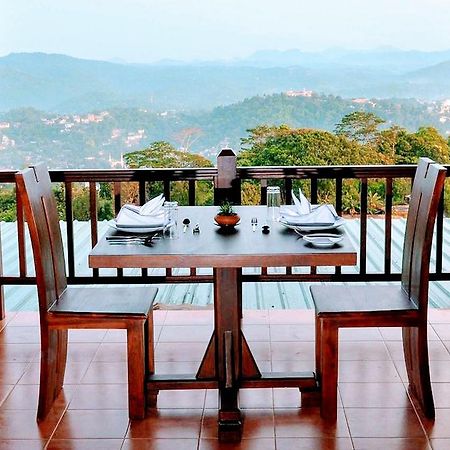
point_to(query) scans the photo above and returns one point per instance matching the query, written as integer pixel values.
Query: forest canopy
(360, 138)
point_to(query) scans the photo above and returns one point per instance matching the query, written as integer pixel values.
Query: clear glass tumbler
(273, 203)
(170, 220)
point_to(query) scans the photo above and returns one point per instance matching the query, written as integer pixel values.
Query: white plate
(132, 230)
(322, 240)
(311, 227)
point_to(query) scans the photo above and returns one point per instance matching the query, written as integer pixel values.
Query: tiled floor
(91, 413)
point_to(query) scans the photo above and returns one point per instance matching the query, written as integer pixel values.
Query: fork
(131, 240)
(132, 237)
(143, 241)
(254, 223)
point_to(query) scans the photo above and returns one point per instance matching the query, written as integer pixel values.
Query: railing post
(227, 187)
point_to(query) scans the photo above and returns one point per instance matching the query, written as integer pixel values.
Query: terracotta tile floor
(91, 413)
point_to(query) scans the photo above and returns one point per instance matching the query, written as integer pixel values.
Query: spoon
(186, 223)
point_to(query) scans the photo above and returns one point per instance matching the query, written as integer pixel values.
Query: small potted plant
(226, 217)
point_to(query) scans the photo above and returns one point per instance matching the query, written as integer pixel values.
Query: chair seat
(133, 301)
(332, 299)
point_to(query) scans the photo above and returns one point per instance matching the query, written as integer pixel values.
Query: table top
(213, 248)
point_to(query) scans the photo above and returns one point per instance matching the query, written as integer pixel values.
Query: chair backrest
(34, 188)
(426, 194)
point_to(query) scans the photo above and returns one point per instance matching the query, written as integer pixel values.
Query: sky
(144, 31)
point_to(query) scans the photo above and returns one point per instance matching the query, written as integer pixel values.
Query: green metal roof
(278, 295)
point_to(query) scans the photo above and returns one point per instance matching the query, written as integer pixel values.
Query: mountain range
(63, 84)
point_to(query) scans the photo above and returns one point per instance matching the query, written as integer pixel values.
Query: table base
(230, 419)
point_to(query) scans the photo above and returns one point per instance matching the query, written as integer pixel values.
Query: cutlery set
(314, 238)
(132, 240)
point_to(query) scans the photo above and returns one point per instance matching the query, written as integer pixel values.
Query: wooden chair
(403, 305)
(62, 307)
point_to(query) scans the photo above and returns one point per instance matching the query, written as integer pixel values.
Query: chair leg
(136, 370)
(53, 365)
(318, 329)
(151, 395)
(415, 347)
(329, 370)
(312, 398)
(149, 344)
(62, 359)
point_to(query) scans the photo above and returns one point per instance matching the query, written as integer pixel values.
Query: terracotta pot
(227, 221)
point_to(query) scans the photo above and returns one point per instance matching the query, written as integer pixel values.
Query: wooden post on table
(227, 187)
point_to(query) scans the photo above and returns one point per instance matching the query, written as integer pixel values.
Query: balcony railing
(227, 183)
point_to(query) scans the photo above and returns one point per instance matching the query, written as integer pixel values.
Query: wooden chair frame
(62, 307)
(386, 306)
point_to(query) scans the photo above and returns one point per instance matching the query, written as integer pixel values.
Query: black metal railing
(227, 181)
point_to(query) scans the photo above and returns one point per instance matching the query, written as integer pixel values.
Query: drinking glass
(170, 220)
(273, 203)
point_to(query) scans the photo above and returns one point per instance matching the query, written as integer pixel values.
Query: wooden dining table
(228, 363)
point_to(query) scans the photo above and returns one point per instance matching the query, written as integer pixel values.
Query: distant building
(94, 118)
(116, 164)
(302, 93)
(6, 142)
(134, 138)
(363, 101)
(115, 133)
(445, 106)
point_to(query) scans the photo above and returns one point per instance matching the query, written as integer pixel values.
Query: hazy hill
(68, 141)
(60, 83)
(439, 73)
(386, 58)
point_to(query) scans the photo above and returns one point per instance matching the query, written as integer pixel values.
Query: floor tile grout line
(348, 424)
(57, 424)
(439, 339)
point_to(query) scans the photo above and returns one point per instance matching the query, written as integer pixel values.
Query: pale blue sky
(149, 30)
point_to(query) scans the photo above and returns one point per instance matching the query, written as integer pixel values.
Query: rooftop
(278, 295)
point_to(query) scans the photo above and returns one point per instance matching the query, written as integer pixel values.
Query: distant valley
(85, 114)
(97, 139)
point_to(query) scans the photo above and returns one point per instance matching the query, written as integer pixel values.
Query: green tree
(162, 154)
(285, 146)
(7, 204)
(407, 148)
(360, 126)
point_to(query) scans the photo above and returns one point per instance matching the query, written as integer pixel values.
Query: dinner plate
(322, 240)
(139, 230)
(311, 227)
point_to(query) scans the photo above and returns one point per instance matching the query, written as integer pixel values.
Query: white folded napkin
(322, 215)
(151, 214)
(152, 207)
(302, 203)
(303, 213)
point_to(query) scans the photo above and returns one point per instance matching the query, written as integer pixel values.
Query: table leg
(228, 350)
